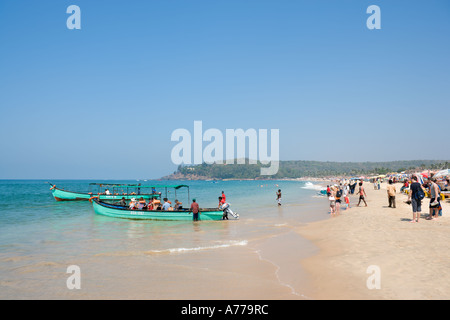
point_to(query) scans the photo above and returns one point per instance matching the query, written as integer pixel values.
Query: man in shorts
(279, 197)
(362, 194)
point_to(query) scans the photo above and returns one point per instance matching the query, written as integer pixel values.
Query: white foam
(218, 246)
(312, 186)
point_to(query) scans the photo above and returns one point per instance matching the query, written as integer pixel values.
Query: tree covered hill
(300, 169)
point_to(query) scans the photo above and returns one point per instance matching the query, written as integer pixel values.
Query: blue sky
(102, 102)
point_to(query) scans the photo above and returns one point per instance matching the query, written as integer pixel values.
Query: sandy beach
(412, 260)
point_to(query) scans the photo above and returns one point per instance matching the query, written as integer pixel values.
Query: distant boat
(117, 192)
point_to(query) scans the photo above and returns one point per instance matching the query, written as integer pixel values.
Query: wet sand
(413, 258)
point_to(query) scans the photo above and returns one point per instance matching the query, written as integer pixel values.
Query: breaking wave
(312, 186)
(182, 250)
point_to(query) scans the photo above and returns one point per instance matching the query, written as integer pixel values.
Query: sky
(101, 102)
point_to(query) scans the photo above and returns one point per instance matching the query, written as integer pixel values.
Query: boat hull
(64, 195)
(119, 212)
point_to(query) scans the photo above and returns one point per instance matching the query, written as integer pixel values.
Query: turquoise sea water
(40, 237)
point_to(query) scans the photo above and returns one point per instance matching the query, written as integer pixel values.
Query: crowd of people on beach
(413, 186)
(340, 192)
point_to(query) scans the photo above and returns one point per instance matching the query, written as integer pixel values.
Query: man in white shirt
(166, 205)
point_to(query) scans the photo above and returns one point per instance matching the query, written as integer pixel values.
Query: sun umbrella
(443, 173)
(424, 174)
(419, 177)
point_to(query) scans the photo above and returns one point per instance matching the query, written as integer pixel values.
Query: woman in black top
(412, 196)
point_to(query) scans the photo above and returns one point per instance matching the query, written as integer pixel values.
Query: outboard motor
(226, 210)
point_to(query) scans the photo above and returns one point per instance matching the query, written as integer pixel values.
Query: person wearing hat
(133, 203)
(195, 209)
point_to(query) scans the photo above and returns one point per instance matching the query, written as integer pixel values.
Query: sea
(63, 250)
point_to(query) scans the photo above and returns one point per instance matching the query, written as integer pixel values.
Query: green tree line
(299, 169)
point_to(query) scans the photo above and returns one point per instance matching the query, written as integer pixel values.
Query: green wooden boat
(118, 191)
(181, 214)
(116, 211)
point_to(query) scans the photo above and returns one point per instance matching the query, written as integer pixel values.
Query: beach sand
(413, 259)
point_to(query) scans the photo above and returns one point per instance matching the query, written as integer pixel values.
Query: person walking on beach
(332, 200)
(352, 186)
(279, 197)
(337, 196)
(414, 196)
(362, 194)
(195, 210)
(391, 194)
(435, 199)
(345, 193)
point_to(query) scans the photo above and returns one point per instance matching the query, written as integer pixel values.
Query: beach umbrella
(424, 174)
(420, 179)
(443, 173)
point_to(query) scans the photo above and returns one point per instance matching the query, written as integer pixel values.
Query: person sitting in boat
(107, 192)
(156, 204)
(142, 204)
(133, 204)
(123, 202)
(166, 205)
(150, 204)
(178, 205)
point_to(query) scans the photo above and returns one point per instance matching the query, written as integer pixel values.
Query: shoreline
(412, 257)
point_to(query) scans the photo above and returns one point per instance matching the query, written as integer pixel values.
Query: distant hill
(301, 169)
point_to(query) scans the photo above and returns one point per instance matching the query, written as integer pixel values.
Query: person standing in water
(195, 210)
(279, 197)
